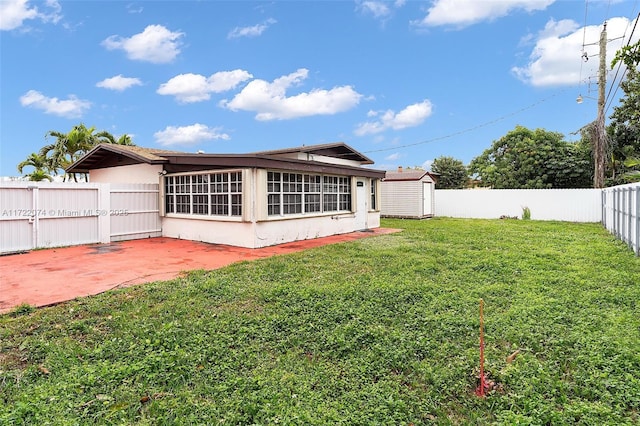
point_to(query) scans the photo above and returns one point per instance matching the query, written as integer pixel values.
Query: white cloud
(155, 44)
(188, 135)
(378, 9)
(69, 108)
(411, 116)
(392, 157)
(133, 9)
(54, 14)
(556, 56)
(463, 13)
(119, 83)
(381, 10)
(253, 31)
(13, 13)
(270, 102)
(188, 88)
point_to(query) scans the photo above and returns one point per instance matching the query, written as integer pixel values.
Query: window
(200, 186)
(330, 196)
(218, 194)
(344, 188)
(312, 193)
(297, 193)
(291, 193)
(183, 199)
(372, 184)
(273, 193)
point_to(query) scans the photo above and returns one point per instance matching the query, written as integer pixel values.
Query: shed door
(426, 199)
(361, 205)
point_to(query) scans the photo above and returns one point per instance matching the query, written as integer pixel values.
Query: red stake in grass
(482, 386)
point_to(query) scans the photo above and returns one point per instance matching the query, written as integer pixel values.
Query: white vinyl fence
(40, 215)
(572, 205)
(621, 211)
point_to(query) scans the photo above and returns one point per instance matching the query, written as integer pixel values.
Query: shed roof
(409, 175)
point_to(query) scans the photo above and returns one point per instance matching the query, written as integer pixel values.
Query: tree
(41, 167)
(525, 158)
(624, 129)
(453, 173)
(69, 147)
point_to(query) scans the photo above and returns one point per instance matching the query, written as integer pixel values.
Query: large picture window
(298, 193)
(210, 194)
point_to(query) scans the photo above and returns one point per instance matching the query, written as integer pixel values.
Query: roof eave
(80, 165)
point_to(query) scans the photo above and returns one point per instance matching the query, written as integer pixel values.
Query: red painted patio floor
(47, 277)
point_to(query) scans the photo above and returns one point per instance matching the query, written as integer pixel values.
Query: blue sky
(403, 82)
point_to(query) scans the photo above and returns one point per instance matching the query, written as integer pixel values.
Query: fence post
(629, 240)
(603, 207)
(104, 216)
(35, 222)
(637, 242)
(616, 219)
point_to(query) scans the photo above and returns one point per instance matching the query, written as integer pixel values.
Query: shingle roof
(107, 155)
(151, 154)
(406, 175)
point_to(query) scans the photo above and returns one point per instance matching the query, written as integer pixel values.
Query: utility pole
(598, 130)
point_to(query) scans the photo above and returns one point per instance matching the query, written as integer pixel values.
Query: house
(249, 200)
(408, 194)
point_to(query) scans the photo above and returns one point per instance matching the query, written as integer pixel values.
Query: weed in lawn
(22, 309)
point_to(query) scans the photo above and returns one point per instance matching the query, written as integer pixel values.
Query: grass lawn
(377, 331)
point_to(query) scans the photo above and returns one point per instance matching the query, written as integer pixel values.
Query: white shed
(408, 194)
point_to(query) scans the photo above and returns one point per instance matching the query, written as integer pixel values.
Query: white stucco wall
(239, 234)
(274, 232)
(262, 234)
(136, 173)
(254, 229)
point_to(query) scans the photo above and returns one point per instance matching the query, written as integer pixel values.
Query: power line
(617, 85)
(584, 36)
(470, 129)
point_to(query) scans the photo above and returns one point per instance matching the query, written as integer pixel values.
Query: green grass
(377, 331)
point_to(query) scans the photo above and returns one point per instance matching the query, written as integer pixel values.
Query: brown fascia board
(193, 162)
(327, 149)
(115, 155)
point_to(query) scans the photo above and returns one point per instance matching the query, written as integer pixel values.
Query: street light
(581, 98)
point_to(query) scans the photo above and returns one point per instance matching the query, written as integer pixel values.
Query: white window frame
(192, 194)
(295, 194)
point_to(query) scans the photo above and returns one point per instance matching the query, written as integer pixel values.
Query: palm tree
(41, 165)
(39, 175)
(69, 147)
(109, 138)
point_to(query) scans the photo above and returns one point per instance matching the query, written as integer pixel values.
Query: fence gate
(35, 215)
(134, 211)
(41, 215)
